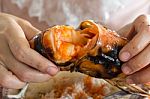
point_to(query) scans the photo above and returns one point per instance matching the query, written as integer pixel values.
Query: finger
(136, 45)
(23, 71)
(140, 77)
(142, 19)
(130, 30)
(8, 80)
(140, 25)
(22, 51)
(138, 62)
(29, 30)
(127, 31)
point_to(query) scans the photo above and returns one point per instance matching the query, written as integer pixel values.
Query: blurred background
(45, 13)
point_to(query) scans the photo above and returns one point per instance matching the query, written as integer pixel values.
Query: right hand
(136, 53)
(18, 62)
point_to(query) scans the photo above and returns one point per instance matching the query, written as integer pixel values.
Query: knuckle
(134, 48)
(25, 77)
(20, 53)
(8, 20)
(27, 22)
(40, 67)
(134, 65)
(139, 21)
(143, 16)
(138, 65)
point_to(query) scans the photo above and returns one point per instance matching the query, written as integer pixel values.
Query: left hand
(136, 54)
(18, 62)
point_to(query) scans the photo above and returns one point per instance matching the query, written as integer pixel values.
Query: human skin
(136, 53)
(18, 62)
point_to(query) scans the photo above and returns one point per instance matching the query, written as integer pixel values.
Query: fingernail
(52, 70)
(126, 69)
(129, 80)
(125, 56)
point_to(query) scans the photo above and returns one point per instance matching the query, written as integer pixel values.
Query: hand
(18, 62)
(136, 54)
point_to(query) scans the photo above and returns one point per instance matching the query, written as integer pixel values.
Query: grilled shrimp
(90, 49)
